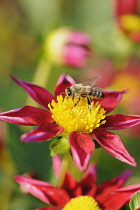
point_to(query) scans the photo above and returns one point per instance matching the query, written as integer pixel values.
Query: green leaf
(28, 157)
(135, 201)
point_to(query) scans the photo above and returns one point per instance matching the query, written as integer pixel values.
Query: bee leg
(77, 101)
(72, 96)
(67, 97)
(89, 104)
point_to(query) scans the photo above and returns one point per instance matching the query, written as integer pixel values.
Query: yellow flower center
(131, 23)
(82, 203)
(73, 116)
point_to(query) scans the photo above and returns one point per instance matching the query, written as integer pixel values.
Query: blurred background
(39, 41)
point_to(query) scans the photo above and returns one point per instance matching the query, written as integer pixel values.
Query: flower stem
(64, 167)
(41, 77)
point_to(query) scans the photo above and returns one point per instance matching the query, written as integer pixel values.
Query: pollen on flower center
(82, 203)
(77, 117)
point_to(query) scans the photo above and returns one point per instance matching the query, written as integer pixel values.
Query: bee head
(68, 91)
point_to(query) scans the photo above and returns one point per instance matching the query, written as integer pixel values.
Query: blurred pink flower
(81, 141)
(68, 47)
(127, 13)
(108, 195)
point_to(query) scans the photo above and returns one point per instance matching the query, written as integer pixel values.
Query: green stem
(64, 167)
(41, 77)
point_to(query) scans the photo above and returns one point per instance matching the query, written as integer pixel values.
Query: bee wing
(98, 88)
(91, 81)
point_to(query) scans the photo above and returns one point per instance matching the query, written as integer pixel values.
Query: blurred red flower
(128, 16)
(109, 194)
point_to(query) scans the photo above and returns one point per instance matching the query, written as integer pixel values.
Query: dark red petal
(118, 198)
(27, 115)
(39, 94)
(113, 145)
(120, 121)
(88, 181)
(81, 148)
(111, 99)
(63, 82)
(71, 186)
(44, 191)
(107, 187)
(69, 182)
(42, 133)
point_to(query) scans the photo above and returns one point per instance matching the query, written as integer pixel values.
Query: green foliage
(31, 157)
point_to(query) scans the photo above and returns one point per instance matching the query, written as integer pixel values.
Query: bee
(85, 90)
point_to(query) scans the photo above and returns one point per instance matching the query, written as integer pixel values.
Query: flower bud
(59, 146)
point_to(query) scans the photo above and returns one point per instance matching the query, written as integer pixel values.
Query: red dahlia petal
(71, 186)
(63, 82)
(27, 115)
(42, 133)
(113, 145)
(107, 187)
(111, 99)
(120, 121)
(118, 198)
(81, 148)
(39, 94)
(88, 181)
(44, 191)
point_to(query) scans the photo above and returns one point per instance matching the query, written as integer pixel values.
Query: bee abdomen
(101, 95)
(96, 93)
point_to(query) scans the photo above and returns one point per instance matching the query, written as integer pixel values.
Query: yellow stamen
(77, 117)
(131, 23)
(82, 203)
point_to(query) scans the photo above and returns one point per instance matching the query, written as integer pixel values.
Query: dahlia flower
(85, 194)
(76, 127)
